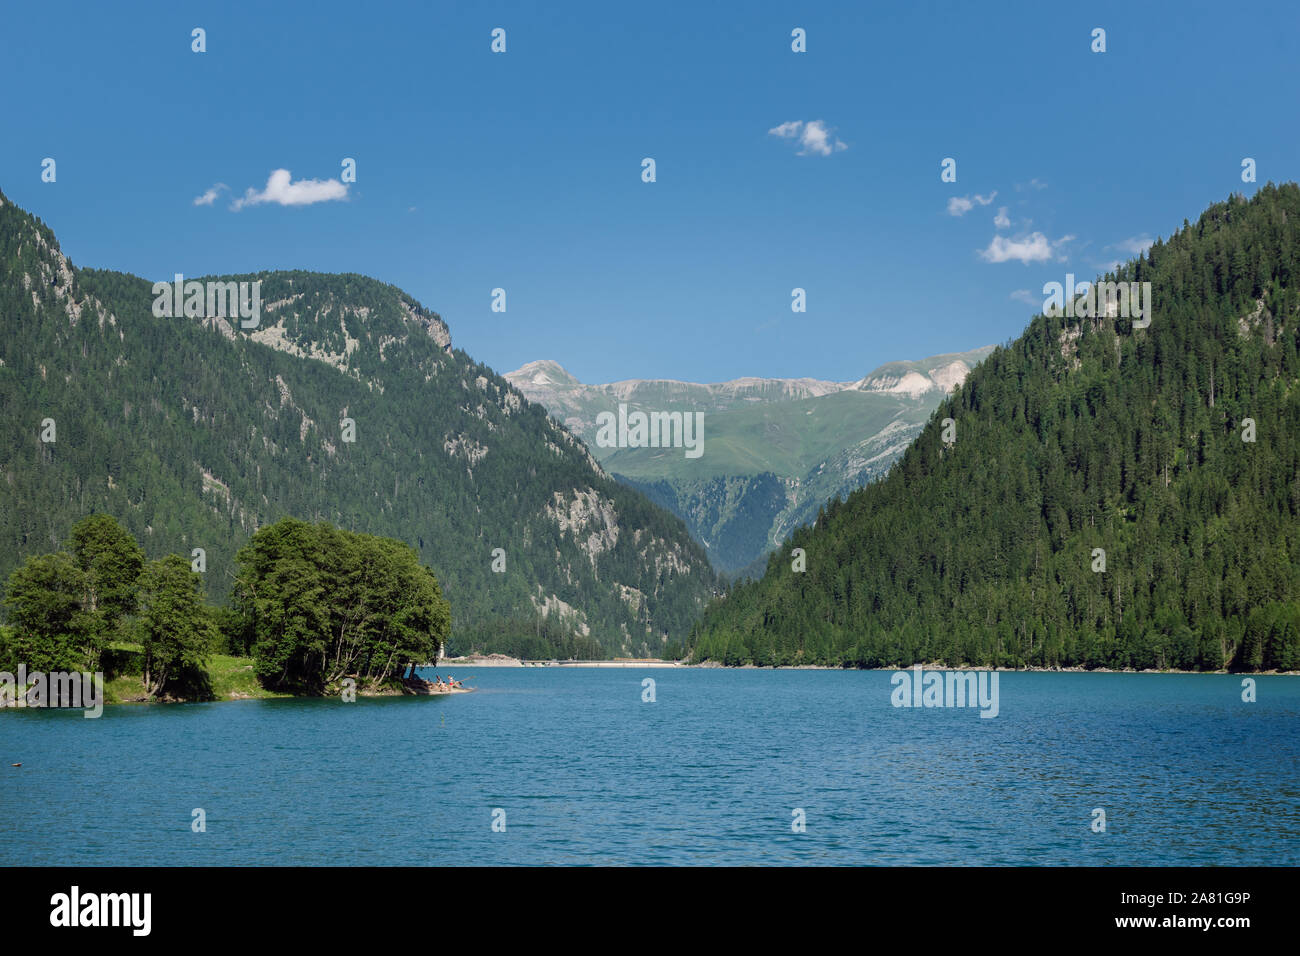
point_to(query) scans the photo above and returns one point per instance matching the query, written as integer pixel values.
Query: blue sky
(522, 170)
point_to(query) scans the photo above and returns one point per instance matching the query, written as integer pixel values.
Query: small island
(314, 611)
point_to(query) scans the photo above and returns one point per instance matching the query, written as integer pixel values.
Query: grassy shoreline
(231, 678)
(225, 677)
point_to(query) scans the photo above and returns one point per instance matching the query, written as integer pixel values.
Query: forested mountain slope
(1173, 449)
(195, 432)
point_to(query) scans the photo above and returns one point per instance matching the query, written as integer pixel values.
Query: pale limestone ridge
(549, 383)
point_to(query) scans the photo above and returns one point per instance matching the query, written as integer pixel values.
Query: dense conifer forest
(1167, 455)
(194, 433)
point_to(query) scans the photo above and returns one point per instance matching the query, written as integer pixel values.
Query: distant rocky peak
(542, 373)
(914, 379)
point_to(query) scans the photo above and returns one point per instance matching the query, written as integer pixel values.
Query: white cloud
(1034, 247)
(210, 196)
(1001, 220)
(1024, 295)
(960, 205)
(819, 140)
(1032, 184)
(282, 190)
(815, 138)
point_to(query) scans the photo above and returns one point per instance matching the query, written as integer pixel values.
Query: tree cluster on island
(311, 606)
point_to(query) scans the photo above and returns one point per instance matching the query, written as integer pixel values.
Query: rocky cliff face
(939, 373)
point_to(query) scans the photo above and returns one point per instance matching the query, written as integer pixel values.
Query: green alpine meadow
(777, 449)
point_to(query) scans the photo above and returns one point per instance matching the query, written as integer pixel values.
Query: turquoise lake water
(709, 773)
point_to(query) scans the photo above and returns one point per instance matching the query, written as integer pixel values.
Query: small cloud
(1025, 296)
(1034, 247)
(815, 138)
(1134, 246)
(210, 196)
(1000, 220)
(283, 191)
(1034, 184)
(960, 205)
